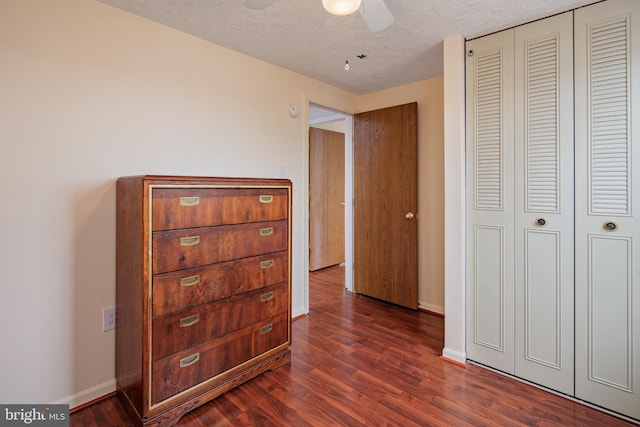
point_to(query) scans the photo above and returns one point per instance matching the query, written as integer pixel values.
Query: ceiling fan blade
(376, 15)
(258, 4)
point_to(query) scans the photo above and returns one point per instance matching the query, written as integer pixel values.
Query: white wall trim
(348, 198)
(431, 307)
(89, 394)
(460, 357)
(327, 119)
(298, 312)
(348, 192)
(454, 196)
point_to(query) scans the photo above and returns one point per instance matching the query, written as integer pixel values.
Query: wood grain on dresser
(203, 289)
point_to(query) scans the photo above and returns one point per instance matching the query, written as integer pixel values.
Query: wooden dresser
(203, 289)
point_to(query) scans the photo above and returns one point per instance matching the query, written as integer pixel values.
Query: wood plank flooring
(361, 362)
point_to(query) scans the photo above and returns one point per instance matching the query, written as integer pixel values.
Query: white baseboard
(456, 356)
(89, 394)
(431, 307)
(299, 313)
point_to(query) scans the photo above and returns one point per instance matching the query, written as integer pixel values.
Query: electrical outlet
(108, 319)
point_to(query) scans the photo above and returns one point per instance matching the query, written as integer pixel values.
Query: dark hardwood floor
(361, 362)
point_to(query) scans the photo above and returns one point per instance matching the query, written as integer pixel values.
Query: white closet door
(607, 60)
(544, 202)
(490, 201)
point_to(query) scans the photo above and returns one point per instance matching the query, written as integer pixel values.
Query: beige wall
(429, 95)
(89, 93)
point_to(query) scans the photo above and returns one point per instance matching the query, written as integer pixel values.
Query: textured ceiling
(301, 36)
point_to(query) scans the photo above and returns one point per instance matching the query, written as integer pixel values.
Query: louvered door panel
(542, 99)
(489, 141)
(490, 200)
(609, 142)
(544, 202)
(607, 223)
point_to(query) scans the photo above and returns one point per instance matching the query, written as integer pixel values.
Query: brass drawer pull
(266, 231)
(189, 241)
(189, 360)
(266, 264)
(266, 199)
(189, 321)
(190, 281)
(266, 297)
(189, 201)
(266, 329)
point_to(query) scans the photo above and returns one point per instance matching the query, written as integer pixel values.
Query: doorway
(386, 140)
(329, 119)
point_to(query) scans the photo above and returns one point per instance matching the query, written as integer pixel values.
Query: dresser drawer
(182, 289)
(256, 306)
(183, 370)
(189, 328)
(175, 208)
(196, 326)
(180, 249)
(270, 334)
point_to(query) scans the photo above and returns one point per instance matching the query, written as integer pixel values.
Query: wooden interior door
(385, 203)
(326, 198)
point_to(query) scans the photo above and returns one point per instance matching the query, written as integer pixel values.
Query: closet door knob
(409, 215)
(541, 222)
(610, 226)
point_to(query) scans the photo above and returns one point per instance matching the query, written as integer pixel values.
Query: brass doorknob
(409, 215)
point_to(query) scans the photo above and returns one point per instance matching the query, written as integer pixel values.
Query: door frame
(333, 114)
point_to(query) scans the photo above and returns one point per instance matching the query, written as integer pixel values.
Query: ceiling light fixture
(341, 7)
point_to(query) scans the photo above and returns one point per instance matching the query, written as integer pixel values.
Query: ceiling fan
(375, 13)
